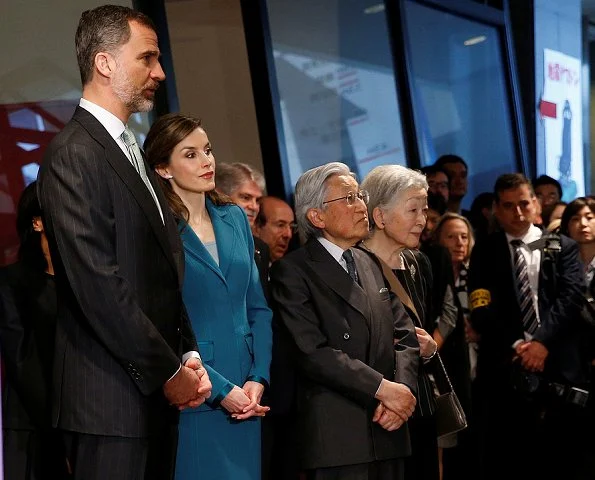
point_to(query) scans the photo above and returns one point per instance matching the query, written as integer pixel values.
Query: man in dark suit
(355, 349)
(122, 329)
(525, 299)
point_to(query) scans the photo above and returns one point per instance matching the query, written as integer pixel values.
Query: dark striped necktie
(521, 271)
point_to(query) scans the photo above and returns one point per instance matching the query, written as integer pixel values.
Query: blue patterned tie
(521, 271)
(348, 257)
(137, 162)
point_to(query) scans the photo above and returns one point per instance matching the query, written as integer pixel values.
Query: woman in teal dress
(225, 303)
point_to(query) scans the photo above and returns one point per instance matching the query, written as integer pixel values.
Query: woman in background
(225, 303)
(32, 448)
(459, 353)
(578, 222)
(397, 215)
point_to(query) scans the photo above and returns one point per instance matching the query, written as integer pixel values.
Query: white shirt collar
(112, 124)
(334, 250)
(534, 233)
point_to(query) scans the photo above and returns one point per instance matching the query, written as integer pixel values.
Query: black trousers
(97, 457)
(34, 455)
(380, 470)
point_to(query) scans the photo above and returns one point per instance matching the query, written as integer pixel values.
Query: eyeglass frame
(365, 198)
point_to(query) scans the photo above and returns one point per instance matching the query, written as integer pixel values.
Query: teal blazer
(226, 304)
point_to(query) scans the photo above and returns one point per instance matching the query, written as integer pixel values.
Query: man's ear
(37, 224)
(316, 217)
(105, 64)
(163, 172)
(378, 217)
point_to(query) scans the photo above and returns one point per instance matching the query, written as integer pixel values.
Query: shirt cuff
(191, 354)
(179, 368)
(378, 389)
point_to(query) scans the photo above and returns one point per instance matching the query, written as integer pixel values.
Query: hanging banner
(562, 113)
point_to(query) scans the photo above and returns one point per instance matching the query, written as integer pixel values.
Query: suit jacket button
(346, 336)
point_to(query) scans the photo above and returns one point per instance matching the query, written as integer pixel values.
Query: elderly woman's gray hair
(230, 176)
(310, 192)
(387, 183)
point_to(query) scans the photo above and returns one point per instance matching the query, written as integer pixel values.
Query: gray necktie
(137, 162)
(521, 271)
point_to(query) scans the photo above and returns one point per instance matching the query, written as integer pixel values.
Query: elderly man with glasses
(355, 387)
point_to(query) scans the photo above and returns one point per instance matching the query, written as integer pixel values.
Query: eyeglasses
(363, 195)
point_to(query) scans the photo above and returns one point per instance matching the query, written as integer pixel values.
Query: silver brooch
(412, 270)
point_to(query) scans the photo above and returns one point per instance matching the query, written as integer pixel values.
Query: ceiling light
(474, 40)
(379, 7)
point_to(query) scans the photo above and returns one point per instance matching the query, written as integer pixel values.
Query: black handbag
(450, 416)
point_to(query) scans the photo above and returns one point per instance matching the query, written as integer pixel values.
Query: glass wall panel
(337, 90)
(460, 97)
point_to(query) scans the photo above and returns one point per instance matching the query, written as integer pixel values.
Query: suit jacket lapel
(224, 233)
(336, 278)
(196, 250)
(124, 169)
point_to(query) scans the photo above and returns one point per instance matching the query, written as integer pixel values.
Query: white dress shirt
(335, 251)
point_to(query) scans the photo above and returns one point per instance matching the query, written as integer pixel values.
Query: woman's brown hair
(164, 135)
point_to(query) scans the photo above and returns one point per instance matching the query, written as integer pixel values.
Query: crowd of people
(163, 320)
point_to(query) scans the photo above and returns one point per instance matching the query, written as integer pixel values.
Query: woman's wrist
(428, 358)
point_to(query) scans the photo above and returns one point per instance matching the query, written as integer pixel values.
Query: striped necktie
(521, 271)
(137, 162)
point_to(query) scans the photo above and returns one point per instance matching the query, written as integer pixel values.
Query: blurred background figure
(275, 225)
(549, 193)
(225, 303)
(457, 170)
(460, 349)
(246, 186)
(32, 448)
(480, 215)
(556, 217)
(437, 181)
(436, 208)
(578, 222)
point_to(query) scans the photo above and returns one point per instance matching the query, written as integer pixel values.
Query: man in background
(549, 193)
(456, 169)
(275, 225)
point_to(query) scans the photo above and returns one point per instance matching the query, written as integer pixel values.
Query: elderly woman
(397, 215)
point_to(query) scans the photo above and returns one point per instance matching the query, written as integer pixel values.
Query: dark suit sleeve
(321, 363)
(259, 315)
(77, 213)
(406, 348)
(19, 351)
(566, 306)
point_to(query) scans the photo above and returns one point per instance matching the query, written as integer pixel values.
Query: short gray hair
(386, 183)
(310, 191)
(229, 177)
